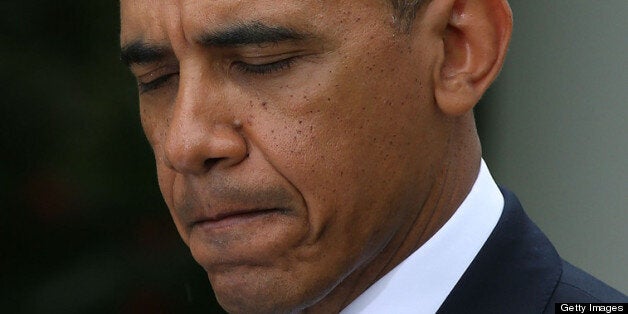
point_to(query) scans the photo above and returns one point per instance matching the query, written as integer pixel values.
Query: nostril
(210, 162)
(192, 147)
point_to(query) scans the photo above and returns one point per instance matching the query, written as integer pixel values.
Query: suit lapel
(516, 270)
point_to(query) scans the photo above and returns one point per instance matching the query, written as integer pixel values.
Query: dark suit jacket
(519, 271)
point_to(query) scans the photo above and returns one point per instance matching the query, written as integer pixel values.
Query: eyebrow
(250, 34)
(139, 52)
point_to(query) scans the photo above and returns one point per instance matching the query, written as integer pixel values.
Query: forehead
(161, 20)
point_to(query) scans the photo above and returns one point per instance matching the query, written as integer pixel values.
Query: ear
(475, 36)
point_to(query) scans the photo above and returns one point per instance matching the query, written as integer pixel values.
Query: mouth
(233, 218)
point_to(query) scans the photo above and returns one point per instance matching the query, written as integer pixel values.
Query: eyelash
(156, 83)
(259, 69)
(266, 68)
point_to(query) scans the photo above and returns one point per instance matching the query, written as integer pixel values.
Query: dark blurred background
(83, 228)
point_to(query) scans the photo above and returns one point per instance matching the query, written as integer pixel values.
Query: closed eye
(156, 83)
(266, 68)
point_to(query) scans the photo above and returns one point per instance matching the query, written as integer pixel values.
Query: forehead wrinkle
(208, 17)
(155, 23)
(172, 15)
(213, 12)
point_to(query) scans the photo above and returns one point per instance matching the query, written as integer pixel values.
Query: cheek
(155, 121)
(166, 179)
(155, 113)
(346, 144)
(340, 162)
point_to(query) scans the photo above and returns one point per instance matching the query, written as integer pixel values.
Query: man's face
(293, 139)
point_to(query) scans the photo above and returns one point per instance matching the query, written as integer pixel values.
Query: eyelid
(156, 83)
(265, 68)
(261, 56)
(156, 78)
(157, 73)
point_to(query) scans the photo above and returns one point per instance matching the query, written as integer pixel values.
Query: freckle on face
(315, 131)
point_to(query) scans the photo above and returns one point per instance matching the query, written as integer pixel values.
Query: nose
(201, 134)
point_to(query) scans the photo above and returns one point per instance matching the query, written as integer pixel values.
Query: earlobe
(475, 40)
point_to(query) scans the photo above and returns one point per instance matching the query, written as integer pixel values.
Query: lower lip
(238, 219)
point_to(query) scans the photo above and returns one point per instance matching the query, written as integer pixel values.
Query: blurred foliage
(83, 228)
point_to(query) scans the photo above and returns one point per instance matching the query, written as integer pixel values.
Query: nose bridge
(200, 133)
(199, 97)
(194, 112)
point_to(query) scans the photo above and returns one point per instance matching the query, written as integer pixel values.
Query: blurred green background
(83, 227)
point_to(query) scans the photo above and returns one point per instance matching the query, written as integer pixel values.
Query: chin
(252, 289)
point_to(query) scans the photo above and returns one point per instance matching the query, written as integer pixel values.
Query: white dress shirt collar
(422, 282)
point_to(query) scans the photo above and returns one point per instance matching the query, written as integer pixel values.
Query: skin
(297, 189)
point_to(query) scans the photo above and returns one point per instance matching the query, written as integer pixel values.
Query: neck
(454, 176)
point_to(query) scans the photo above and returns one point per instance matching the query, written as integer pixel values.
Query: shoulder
(576, 285)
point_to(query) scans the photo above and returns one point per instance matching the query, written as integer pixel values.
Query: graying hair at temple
(405, 12)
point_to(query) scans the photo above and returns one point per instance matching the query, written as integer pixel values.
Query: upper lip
(218, 215)
(227, 199)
